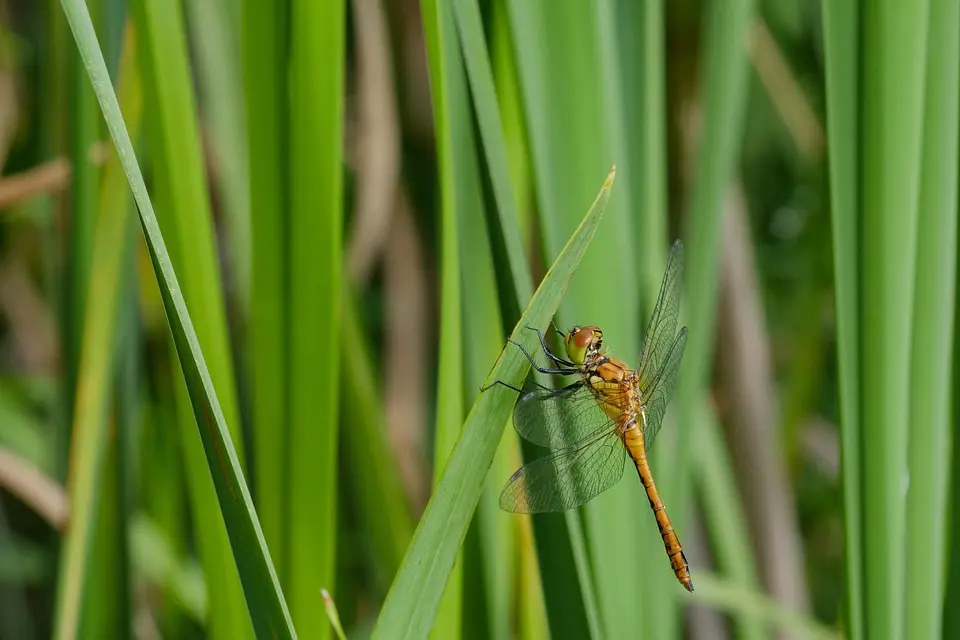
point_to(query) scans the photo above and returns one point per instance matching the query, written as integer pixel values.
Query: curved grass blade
(563, 562)
(265, 600)
(415, 594)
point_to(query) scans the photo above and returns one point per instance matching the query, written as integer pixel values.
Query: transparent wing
(656, 393)
(558, 418)
(566, 478)
(663, 321)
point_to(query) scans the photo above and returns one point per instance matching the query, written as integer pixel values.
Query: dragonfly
(610, 412)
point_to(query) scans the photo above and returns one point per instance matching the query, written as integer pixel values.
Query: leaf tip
(332, 614)
(610, 177)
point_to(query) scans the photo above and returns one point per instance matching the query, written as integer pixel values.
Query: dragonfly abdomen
(633, 440)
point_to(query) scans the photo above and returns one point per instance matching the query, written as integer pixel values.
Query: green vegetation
(257, 413)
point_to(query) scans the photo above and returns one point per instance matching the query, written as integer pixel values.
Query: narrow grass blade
(643, 94)
(933, 313)
(571, 136)
(841, 37)
(83, 131)
(264, 58)
(511, 110)
(108, 252)
(894, 52)
(414, 597)
(458, 188)
(482, 340)
(480, 73)
(265, 600)
(317, 57)
(188, 222)
(215, 35)
(108, 613)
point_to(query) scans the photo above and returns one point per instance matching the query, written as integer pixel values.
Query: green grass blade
(264, 57)
(187, 222)
(566, 120)
(933, 311)
(108, 613)
(214, 36)
(841, 35)
(894, 51)
(84, 130)
(265, 600)
(482, 339)
(108, 252)
(458, 188)
(179, 158)
(415, 594)
(317, 57)
(480, 73)
(644, 99)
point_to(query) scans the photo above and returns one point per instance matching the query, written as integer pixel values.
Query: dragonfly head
(582, 343)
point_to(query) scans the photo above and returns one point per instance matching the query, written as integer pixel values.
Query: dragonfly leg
(533, 363)
(557, 329)
(546, 349)
(500, 382)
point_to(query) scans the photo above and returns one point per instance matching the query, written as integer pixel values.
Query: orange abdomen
(633, 440)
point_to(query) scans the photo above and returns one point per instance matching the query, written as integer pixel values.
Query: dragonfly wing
(566, 478)
(558, 418)
(656, 393)
(663, 321)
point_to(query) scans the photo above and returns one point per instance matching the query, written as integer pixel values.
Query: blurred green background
(358, 200)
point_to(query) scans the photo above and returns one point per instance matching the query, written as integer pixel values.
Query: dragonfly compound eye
(578, 341)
